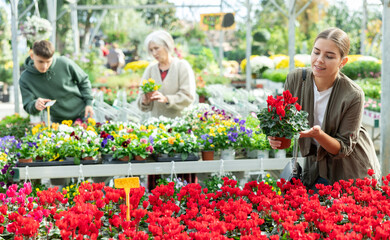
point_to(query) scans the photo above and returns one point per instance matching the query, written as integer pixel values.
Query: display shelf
(106, 170)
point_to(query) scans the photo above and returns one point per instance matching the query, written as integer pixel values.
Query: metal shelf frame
(106, 170)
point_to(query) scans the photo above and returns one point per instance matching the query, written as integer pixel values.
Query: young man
(47, 78)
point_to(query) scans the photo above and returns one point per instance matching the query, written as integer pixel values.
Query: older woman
(175, 76)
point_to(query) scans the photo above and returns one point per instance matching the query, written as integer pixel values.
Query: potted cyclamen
(283, 118)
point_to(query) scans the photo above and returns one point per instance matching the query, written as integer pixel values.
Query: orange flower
(171, 140)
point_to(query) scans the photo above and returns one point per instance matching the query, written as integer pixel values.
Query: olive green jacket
(342, 121)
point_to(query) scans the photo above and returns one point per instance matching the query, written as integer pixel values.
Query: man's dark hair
(43, 49)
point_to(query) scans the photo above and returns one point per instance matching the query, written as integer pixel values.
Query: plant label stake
(127, 184)
(48, 105)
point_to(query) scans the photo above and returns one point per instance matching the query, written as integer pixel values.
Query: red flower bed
(347, 210)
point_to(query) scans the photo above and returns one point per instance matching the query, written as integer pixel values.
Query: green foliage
(202, 91)
(215, 79)
(5, 73)
(275, 75)
(14, 125)
(215, 182)
(362, 69)
(236, 54)
(114, 36)
(166, 15)
(371, 87)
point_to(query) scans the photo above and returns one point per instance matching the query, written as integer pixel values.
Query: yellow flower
(3, 157)
(268, 176)
(144, 82)
(151, 127)
(92, 121)
(162, 126)
(120, 127)
(151, 80)
(90, 128)
(171, 140)
(142, 128)
(155, 88)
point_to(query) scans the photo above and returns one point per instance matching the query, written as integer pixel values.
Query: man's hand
(40, 103)
(88, 112)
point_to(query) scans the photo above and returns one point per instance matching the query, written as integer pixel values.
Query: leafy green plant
(15, 125)
(149, 86)
(362, 69)
(276, 75)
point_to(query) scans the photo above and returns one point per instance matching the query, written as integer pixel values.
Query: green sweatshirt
(64, 81)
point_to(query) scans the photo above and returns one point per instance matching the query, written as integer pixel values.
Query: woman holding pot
(337, 146)
(175, 76)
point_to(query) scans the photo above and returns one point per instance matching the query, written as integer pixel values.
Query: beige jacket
(342, 121)
(178, 86)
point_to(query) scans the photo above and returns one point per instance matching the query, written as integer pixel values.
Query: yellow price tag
(127, 184)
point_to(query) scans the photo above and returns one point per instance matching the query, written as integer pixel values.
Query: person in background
(47, 78)
(177, 81)
(337, 146)
(175, 76)
(115, 58)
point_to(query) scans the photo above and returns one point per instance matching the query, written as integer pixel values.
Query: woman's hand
(159, 97)
(313, 132)
(146, 99)
(274, 143)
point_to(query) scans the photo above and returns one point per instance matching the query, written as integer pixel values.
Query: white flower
(260, 63)
(305, 58)
(36, 29)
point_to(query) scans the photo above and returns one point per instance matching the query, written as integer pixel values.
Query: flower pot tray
(89, 162)
(116, 161)
(176, 158)
(45, 163)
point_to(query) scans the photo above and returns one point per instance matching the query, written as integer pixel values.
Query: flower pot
(207, 155)
(26, 160)
(262, 154)
(107, 157)
(124, 159)
(149, 94)
(286, 143)
(228, 154)
(281, 153)
(139, 158)
(39, 159)
(89, 158)
(202, 99)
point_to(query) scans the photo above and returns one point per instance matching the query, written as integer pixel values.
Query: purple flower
(242, 122)
(151, 139)
(12, 172)
(3, 171)
(104, 143)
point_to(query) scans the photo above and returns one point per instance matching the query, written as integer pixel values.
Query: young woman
(336, 146)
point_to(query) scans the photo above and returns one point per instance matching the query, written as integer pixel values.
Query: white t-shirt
(321, 100)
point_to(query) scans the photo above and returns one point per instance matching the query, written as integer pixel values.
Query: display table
(106, 170)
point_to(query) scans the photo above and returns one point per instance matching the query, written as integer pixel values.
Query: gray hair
(161, 38)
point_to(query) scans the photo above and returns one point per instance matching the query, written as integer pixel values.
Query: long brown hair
(339, 37)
